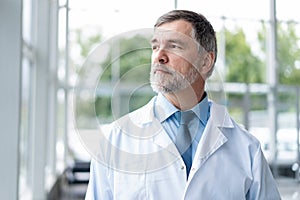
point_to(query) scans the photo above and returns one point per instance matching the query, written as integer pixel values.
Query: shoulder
(245, 134)
(230, 128)
(136, 118)
(142, 115)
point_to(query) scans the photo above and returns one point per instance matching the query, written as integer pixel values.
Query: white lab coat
(139, 161)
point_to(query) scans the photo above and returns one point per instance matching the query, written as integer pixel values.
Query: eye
(174, 46)
(155, 46)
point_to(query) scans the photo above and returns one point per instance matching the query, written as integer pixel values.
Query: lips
(162, 69)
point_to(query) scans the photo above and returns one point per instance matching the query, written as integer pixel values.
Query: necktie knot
(186, 117)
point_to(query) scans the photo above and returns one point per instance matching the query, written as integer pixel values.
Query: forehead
(178, 30)
(179, 26)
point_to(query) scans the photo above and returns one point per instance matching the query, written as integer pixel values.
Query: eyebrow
(177, 41)
(153, 40)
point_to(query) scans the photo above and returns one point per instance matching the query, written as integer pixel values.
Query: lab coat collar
(145, 114)
(213, 136)
(220, 117)
(143, 124)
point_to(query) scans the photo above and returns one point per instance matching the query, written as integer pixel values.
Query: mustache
(165, 68)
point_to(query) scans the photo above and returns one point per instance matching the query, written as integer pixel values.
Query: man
(180, 145)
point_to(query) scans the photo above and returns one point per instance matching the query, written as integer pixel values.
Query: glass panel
(116, 16)
(27, 21)
(61, 127)
(288, 10)
(61, 71)
(234, 9)
(62, 2)
(25, 133)
(287, 130)
(61, 95)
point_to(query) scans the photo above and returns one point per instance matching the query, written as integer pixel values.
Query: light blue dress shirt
(166, 113)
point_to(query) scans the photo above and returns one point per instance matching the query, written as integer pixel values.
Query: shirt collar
(163, 109)
(202, 109)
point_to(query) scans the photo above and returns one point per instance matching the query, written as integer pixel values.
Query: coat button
(182, 167)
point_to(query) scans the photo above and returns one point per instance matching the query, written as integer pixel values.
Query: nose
(160, 56)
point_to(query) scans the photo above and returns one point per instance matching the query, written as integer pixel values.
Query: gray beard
(173, 82)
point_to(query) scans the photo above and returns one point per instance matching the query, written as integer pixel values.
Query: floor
(73, 192)
(289, 188)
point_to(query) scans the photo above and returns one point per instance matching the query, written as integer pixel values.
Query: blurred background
(65, 63)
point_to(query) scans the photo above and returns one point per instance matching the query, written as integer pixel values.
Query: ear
(207, 64)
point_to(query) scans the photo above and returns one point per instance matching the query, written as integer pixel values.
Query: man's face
(175, 57)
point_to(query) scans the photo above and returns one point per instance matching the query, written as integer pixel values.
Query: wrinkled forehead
(163, 34)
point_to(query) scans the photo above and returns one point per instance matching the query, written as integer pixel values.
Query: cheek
(177, 64)
(182, 65)
(152, 58)
(183, 68)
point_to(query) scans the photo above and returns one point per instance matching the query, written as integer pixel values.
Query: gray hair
(203, 32)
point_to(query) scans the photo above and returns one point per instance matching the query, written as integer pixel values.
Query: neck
(187, 98)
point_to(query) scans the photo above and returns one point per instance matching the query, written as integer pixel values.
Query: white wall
(10, 93)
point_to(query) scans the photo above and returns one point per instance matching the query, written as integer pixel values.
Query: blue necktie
(184, 138)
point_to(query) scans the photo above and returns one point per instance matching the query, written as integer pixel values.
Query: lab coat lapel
(163, 140)
(145, 118)
(212, 138)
